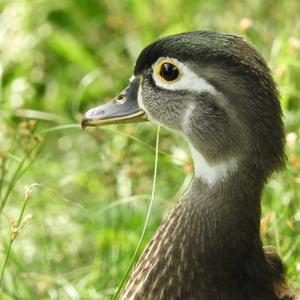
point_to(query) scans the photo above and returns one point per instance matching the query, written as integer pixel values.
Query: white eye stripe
(188, 80)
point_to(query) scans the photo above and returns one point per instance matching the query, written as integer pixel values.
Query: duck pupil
(168, 72)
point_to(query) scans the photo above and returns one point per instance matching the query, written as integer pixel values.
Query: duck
(217, 91)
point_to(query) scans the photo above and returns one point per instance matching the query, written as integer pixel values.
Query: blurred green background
(73, 202)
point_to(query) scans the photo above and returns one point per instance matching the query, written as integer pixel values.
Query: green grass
(73, 233)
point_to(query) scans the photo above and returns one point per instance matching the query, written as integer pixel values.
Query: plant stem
(17, 174)
(146, 221)
(16, 228)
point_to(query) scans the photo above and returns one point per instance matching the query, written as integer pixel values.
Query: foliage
(77, 225)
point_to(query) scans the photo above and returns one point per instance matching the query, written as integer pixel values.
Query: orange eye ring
(167, 71)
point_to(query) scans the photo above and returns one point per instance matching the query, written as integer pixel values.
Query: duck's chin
(165, 124)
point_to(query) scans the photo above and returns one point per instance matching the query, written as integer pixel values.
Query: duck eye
(168, 71)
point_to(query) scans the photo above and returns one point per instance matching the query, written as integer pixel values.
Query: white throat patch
(211, 174)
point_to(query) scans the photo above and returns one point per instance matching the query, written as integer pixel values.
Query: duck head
(214, 89)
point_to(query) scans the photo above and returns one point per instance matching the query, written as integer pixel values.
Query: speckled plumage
(194, 255)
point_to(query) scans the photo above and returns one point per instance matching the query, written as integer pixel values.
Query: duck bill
(123, 108)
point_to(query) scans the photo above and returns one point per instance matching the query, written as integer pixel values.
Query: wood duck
(217, 92)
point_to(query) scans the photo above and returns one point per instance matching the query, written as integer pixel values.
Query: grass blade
(146, 220)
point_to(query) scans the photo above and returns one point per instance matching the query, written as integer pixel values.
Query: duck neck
(228, 217)
(210, 239)
(226, 199)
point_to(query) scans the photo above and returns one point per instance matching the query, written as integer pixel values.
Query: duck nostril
(120, 99)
